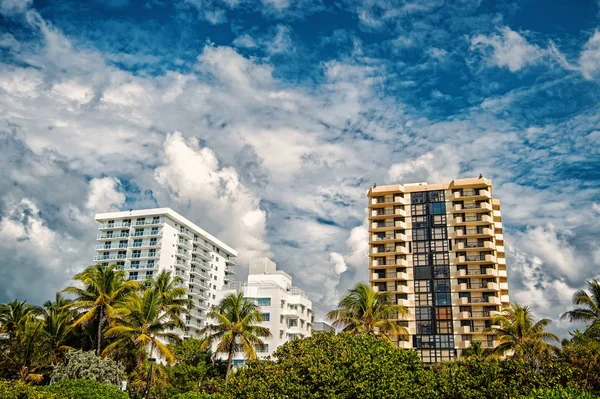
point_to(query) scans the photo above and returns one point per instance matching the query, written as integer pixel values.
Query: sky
(266, 122)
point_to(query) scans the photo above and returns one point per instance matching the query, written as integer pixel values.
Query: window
(154, 230)
(439, 246)
(422, 273)
(133, 275)
(418, 198)
(444, 327)
(421, 246)
(136, 254)
(442, 285)
(238, 362)
(135, 264)
(423, 313)
(153, 242)
(438, 233)
(150, 264)
(419, 210)
(441, 258)
(420, 234)
(419, 221)
(139, 232)
(436, 196)
(293, 323)
(423, 286)
(261, 348)
(137, 242)
(442, 299)
(423, 299)
(424, 327)
(149, 274)
(438, 220)
(266, 316)
(443, 313)
(264, 301)
(438, 208)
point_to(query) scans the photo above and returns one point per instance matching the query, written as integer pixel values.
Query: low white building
(286, 310)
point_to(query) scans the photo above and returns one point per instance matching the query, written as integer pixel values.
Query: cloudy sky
(266, 123)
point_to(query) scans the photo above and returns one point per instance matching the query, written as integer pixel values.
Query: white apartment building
(144, 242)
(286, 310)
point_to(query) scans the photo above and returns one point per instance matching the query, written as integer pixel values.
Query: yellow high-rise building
(438, 249)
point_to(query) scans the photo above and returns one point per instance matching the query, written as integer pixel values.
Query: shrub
(87, 366)
(195, 395)
(83, 389)
(21, 390)
(559, 393)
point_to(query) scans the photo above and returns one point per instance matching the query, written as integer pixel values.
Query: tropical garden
(108, 337)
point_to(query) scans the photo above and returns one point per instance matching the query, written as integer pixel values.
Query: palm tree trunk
(229, 361)
(99, 337)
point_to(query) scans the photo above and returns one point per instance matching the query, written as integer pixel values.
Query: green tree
(193, 370)
(582, 352)
(363, 310)
(57, 330)
(104, 289)
(141, 321)
(237, 326)
(173, 297)
(13, 315)
(341, 366)
(588, 311)
(477, 350)
(519, 334)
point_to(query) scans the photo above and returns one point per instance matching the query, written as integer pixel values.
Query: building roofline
(173, 215)
(424, 186)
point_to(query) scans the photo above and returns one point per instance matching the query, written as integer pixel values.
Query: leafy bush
(559, 393)
(21, 390)
(195, 395)
(83, 389)
(334, 366)
(87, 366)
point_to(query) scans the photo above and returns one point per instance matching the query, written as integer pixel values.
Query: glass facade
(434, 337)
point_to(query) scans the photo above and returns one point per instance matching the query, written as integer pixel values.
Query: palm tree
(589, 310)
(104, 288)
(476, 350)
(141, 321)
(173, 297)
(518, 333)
(363, 310)
(236, 327)
(12, 315)
(57, 329)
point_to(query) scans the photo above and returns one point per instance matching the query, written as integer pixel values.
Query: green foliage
(193, 366)
(583, 354)
(334, 366)
(197, 395)
(83, 389)
(559, 393)
(21, 390)
(88, 366)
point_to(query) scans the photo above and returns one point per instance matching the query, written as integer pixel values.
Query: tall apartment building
(439, 250)
(144, 242)
(286, 310)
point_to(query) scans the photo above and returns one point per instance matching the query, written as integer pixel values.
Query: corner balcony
(472, 233)
(396, 200)
(200, 263)
(202, 245)
(231, 261)
(229, 270)
(476, 194)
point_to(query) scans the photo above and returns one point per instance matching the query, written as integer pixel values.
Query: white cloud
(12, 7)
(442, 164)
(193, 178)
(104, 195)
(339, 265)
(589, 59)
(509, 49)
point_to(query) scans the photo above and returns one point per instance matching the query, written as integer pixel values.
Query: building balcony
(500, 249)
(404, 302)
(473, 259)
(390, 199)
(504, 286)
(472, 220)
(201, 255)
(115, 225)
(109, 257)
(379, 214)
(473, 194)
(114, 247)
(184, 244)
(229, 270)
(200, 263)
(478, 286)
(502, 273)
(389, 251)
(116, 236)
(231, 261)
(472, 233)
(502, 261)
(472, 208)
(474, 246)
(405, 345)
(391, 263)
(463, 330)
(183, 253)
(151, 233)
(152, 222)
(199, 283)
(504, 299)
(202, 245)
(199, 273)
(197, 293)
(144, 255)
(488, 272)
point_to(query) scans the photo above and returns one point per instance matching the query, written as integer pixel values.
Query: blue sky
(267, 121)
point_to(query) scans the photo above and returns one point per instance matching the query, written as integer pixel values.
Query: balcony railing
(119, 235)
(144, 255)
(113, 225)
(109, 257)
(148, 222)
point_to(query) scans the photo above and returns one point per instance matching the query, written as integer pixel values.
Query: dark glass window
(439, 245)
(436, 196)
(443, 299)
(440, 258)
(419, 221)
(420, 234)
(418, 198)
(423, 313)
(422, 273)
(421, 246)
(420, 259)
(423, 286)
(442, 285)
(423, 299)
(443, 313)
(438, 233)
(441, 272)
(437, 208)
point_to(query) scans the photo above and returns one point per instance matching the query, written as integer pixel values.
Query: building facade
(144, 242)
(286, 310)
(438, 249)
(321, 326)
